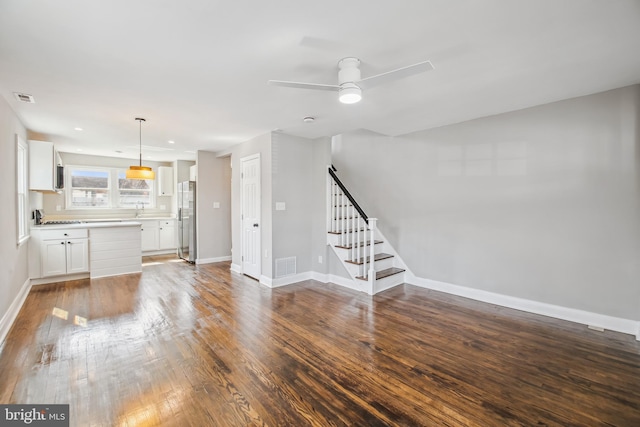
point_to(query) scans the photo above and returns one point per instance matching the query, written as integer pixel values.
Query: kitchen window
(89, 188)
(134, 192)
(92, 187)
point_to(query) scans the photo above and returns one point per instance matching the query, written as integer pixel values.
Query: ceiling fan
(350, 84)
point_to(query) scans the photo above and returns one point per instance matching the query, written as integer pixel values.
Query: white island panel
(115, 250)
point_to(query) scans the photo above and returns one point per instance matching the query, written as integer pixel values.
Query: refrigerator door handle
(179, 214)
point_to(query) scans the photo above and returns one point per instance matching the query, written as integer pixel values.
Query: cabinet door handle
(62, 243)
(65, 234)
(69, 242)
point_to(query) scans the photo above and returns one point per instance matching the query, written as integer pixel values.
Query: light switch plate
(281, 206)
(216, 205)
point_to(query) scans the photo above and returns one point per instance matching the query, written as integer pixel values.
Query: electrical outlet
(58, 208)
(320, 259)
(266, 253)
(216, 205)
(163, 207)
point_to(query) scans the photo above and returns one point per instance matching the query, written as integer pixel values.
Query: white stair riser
(388, 282)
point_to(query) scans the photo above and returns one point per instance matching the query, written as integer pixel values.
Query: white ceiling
(197, 70)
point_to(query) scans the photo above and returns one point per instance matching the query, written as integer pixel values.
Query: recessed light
(171, 142)
(78, 149)
(309, 119)
(78, 129)
(118, 151)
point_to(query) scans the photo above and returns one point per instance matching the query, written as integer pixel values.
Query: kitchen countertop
(89, 224)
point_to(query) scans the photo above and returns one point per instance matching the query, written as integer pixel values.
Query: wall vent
(285, 266)
(23, 97)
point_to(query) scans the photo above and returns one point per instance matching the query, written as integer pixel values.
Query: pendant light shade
(140, 172)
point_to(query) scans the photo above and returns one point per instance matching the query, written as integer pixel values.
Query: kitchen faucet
(138, 213)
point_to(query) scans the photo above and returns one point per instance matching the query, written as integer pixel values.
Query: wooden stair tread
(377, 257)
(348, 231)
(361, 244)
(384, 273)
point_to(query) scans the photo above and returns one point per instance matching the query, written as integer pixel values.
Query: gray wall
(293, 171)
(541, 204)
(214, 224)
(182, 169)
(15, 270)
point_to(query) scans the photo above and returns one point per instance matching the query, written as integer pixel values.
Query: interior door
(250, 186)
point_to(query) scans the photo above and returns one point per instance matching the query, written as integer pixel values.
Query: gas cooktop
(59, 222)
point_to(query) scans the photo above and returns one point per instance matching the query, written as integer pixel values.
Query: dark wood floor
(183, 345)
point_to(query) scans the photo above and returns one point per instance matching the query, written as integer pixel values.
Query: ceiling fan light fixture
(350, 93)
(139, 171)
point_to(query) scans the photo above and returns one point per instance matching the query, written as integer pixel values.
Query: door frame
(242, 209)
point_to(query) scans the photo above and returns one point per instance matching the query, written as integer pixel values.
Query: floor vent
(285, 266)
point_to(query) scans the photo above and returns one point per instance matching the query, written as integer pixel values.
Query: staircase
(370, 261)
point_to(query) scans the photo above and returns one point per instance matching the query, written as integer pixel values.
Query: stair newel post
(372, 252)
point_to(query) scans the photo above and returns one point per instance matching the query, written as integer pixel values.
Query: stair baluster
(371, 277)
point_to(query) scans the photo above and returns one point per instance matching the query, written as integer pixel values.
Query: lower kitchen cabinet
(64, 252)
(149, 235)
(167, 234)
(158, 235)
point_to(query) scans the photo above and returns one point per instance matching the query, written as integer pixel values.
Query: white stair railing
(356, 230)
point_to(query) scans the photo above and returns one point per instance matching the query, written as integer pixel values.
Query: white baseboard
(65, 278)
(236, 268)
(626, 326)
(284, 281)
(341, 281)
(212, 260)
(160, 252)
(10, 316)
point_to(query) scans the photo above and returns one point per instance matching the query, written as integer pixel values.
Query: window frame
(113, 193)
(22, 190)
(68, 190)
(116, 199)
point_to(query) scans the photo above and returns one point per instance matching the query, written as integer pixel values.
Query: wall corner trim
(236, 268)
(617, 324)
(12, 313)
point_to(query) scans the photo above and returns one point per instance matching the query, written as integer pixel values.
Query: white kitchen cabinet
(158, 235)
(167, 234)
(149, 235)
(43, 166)
(165, 181)
(64, 252)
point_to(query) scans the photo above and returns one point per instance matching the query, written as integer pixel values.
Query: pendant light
(140, 172)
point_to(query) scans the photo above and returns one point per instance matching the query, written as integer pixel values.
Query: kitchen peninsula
(84, 249)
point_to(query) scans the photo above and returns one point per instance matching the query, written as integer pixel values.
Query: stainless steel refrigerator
(187, 220)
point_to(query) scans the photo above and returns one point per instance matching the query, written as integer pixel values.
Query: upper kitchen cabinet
(45, 167)
(165, 181)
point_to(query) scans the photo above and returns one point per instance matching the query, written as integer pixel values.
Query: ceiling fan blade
(298, 85)
(397, 74)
